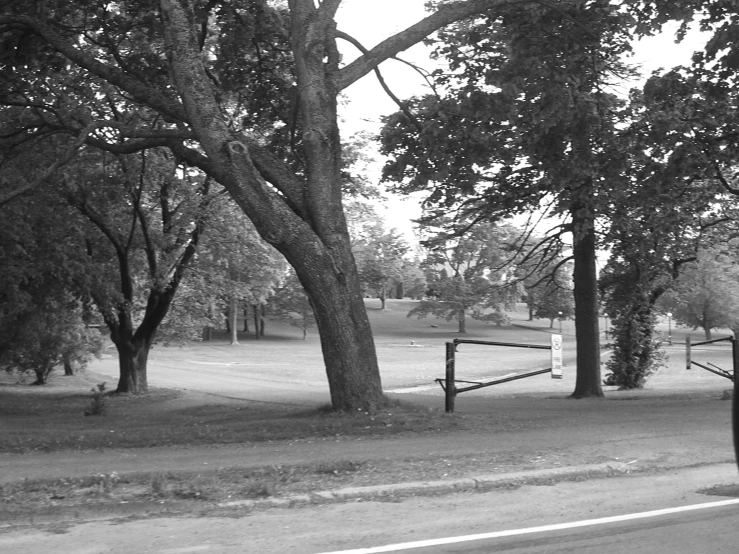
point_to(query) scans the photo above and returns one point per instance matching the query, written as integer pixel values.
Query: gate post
(687, 352)
(450, 389)
(735, 399)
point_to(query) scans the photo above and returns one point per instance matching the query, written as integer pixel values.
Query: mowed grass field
(275, 388)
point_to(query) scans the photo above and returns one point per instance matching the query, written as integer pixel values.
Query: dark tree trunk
(132, 360)
(246, 318)
(68, 369)
(346, 338)
(588, 380)
(300, 215)
(462, 319)
(41, 375)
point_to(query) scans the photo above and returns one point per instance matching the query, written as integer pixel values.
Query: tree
(142, 225)
(239, 267)
(50, 334)
(291, 305)
(379, 253)
(43, 316)
(673, 205)
(189, 66)
(468, 275)
(706, 295)
(551, 297)
(524, 122)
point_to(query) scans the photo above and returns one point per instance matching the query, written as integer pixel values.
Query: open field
(202, 393)
(250, 421)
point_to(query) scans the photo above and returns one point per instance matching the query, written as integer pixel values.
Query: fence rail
(449, 383)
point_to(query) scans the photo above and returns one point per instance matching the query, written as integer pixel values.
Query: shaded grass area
(56, 422)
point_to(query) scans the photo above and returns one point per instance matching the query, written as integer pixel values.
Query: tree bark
(303, 218)
(232, 316)
(462, 320)
(257, 334)
(133, 356)
(68, 369)
(587, 336)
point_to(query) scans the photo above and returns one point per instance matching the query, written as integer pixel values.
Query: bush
(49, 336)
(98, 405)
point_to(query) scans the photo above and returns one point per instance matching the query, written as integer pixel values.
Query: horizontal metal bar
(514, 378)
(710, 341)
(721, 373)
(469, 341)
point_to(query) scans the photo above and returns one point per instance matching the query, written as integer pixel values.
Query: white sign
(556, 343)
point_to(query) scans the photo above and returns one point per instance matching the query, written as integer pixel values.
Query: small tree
(469, 275)
(706, 295)
(291, 305)
(50, 335)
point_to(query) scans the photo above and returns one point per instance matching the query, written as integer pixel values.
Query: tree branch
(445, 15)
(53, 168)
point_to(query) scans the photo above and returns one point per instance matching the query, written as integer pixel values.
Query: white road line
(529, 530)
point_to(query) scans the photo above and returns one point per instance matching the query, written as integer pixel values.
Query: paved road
(708, 527)
(355, 526)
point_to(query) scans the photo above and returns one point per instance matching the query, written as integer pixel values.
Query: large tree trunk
(345, 333)
(588, 380)
(301, 216)
(133, 356)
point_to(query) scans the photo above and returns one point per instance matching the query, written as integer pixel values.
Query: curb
(411, 488)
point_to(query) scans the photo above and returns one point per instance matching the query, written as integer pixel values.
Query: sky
(371, 21)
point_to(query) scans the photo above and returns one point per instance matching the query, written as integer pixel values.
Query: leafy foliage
(470, 275)
(706, 294)
(291, 305)
(48, 335)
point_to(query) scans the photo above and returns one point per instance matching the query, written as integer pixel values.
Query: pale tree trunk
(232, 317)
(257, 321)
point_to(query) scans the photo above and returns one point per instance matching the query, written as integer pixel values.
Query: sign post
(556, 343)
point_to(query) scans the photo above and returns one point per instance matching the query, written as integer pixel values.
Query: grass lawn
(410, 351)
(52, 418)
